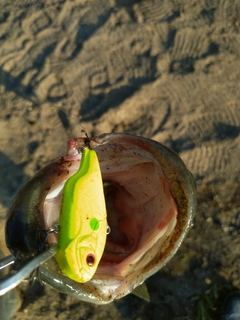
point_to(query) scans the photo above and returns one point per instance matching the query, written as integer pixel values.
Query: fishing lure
(83, 221)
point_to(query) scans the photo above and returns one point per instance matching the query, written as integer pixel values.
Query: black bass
(150, 199)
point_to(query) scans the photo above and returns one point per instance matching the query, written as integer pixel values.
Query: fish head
(150, 199)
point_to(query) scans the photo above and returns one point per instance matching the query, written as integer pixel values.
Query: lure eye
(90, 259)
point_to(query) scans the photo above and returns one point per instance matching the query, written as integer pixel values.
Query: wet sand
(167, 70)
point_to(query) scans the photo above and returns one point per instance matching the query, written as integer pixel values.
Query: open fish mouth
(150, 200)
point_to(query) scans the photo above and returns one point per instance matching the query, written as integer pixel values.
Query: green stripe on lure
(83, 221)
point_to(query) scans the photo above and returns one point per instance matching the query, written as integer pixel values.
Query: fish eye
(90, 259)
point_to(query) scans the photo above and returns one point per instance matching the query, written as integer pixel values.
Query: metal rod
(23, 272)
(6, 261)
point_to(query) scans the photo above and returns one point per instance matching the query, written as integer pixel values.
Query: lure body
(83, 221)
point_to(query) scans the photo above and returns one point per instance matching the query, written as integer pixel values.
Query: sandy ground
(167, 70)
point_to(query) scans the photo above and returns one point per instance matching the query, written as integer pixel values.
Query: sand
(167, 70)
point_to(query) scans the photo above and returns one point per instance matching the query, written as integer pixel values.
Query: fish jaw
(150, 199)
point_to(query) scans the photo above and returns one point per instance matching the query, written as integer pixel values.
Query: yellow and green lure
(83, 221)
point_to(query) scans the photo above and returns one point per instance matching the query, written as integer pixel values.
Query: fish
(150, 199)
